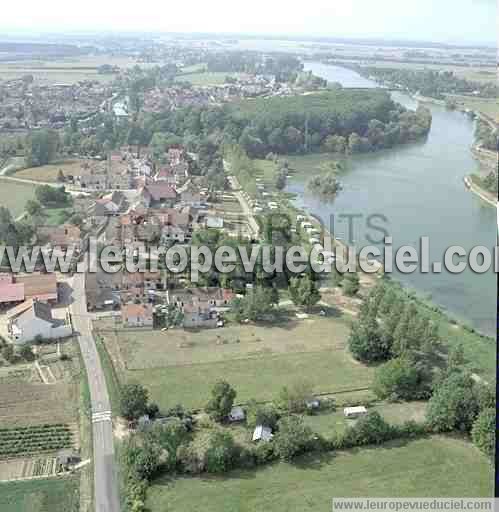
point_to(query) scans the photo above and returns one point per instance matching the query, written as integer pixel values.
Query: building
(33, 319)
(39, 286)
(137, 315)
(262, 433)
(10, 293)
(237, 414)
(354, 412)
(63, 236)
(67, 458)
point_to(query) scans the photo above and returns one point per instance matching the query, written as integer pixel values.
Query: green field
(328, 423)
(15, 195)
(54, 495)
(258, 360)
(425, 467)
(489, 107)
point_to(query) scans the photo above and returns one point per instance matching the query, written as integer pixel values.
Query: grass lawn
(328, 423)
(50, 172)
(260, 378)
(181, 367)
(54, 495)
(177, 347)
(15, 195)
(424, 467)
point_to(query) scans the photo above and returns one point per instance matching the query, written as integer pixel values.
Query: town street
(105, 480)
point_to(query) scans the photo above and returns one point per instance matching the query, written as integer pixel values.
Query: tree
(255, 305)
(52, 196)
(398, 379)
(41, 147)
(8, 353)
(483, 431)
(258, 414)
(303, 291)
(293, 437)
(294, 398)
(365, 342)
(369, 429)
(34, 208)
(350, 284)
(26, 353)
(454, 404)
(456, 360)
(133, 402)
(221, 452)
(222, 399)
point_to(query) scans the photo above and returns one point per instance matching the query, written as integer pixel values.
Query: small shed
(354, 412)
(237, 414)
(67, 458)
(313, 404)
(262, 433)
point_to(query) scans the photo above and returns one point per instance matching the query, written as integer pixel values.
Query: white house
(237, 414)
(33, 319)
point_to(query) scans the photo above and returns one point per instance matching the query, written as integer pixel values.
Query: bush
(398, 379)
(454, 404)
(369, 429)
(222, 399)
(264, 453)
(133, 402)
(292, 438)
(267, 415)
(483, 431)
(222, 453)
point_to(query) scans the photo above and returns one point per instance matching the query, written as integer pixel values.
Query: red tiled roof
(11, 292)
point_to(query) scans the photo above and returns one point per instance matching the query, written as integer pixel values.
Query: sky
(454, 21)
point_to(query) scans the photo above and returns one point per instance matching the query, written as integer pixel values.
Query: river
(419, 188)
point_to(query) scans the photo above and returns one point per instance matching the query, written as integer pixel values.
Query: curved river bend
(420, 189)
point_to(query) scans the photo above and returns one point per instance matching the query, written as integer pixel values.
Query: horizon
(475, 22)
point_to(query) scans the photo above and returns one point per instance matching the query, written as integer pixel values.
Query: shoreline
(479, 192)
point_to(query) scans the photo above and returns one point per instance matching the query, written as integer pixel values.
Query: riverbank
(483, 194)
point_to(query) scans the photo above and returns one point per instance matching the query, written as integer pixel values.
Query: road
(105, 475)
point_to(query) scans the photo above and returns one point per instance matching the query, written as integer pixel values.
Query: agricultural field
(258, 360)
(66, 71)
(489, 107)
(54, 495)
(310, 482)
(14, 195)
(48, 173)
(26, 441)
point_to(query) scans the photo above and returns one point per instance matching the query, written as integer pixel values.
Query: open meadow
(15, 195)
(48, 173)
(310, 482)
(54, 495)
(257, 360)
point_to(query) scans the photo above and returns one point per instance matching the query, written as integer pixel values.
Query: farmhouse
(33, 319)
(39, 286)
(137, 315)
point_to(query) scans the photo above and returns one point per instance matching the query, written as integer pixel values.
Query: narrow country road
(105, 475)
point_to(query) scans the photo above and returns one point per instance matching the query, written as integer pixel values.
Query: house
(39, 286)
(137, 315)
(33, 319)
(161, 193)
(10, 292)
(354, 412)
(63, 236)
(237, 414)
(102, 290)
(262, 433)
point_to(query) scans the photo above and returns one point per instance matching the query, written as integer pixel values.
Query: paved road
(105, 479)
